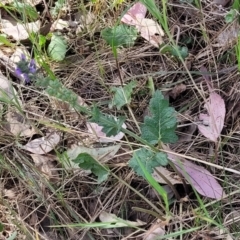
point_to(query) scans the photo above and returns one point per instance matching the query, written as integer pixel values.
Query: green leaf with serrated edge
(160, 127)
(149, 160)
(57, 48)
(122, 95)
(120, 36)
(87, 162)
(111, 126)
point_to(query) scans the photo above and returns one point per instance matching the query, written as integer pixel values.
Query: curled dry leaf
(84, 21)
(101, 154)
(137, 11)
(43, 145)
(59, 24)
(228, 36)
(186, 135)
(118, 222)
(69, 112)
(221, 234)
(148, 28)
(95, 129)
(17, 55)
(177, 90)
(45, 165)
(151, 31)
(155, 231)
(17, 30)
(221, 2)
(7, 91)
(212, 123)
(9, 193)
(200, 178)
(173, 178)
(17, 125)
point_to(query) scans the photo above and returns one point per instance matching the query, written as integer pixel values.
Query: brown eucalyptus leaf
(200, 178)
(148, 28)
(212, 123)
(95, 129)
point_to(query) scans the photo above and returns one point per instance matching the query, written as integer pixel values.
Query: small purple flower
(26, 78)
(18, 71)
(32, 66)
(23, 57)
(26, 69)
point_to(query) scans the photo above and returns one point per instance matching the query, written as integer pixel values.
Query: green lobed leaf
(120, 36)
(149, 160)
(161, 125)
(122, 95)
(111, 125)
(87, 162)
(57, 48)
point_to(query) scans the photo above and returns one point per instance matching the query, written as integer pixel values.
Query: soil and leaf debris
(119, 119)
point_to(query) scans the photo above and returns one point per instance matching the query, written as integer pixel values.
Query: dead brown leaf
(43, 145)
(212, 123)
(45, 165)
(7, 91)
(66, 109)
(18, 125)
(187, 134)
(221, 2)
(18, 30)
(155, 231)
(171, 177)
(148, 28)
(177, 90)
(228, 36)
(9, 193)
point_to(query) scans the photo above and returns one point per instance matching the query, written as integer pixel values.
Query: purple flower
(23, 57)
(26, 69)
(18, 71)
(32, 66)
(26, 78)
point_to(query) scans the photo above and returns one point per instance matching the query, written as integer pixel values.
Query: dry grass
(31, 202)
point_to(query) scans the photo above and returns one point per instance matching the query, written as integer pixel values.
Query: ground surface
(36, 194)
